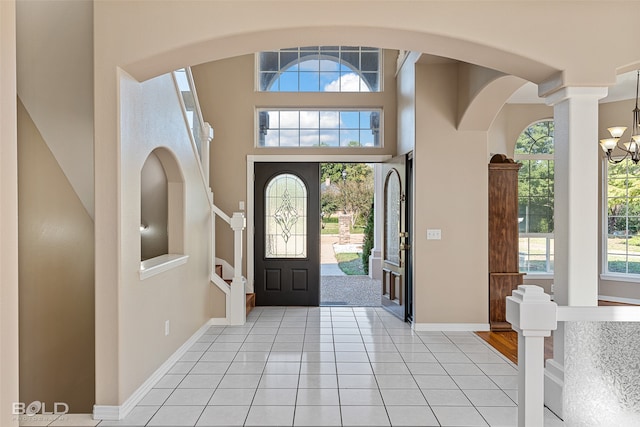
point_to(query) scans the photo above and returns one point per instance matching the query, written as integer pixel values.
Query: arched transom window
(320, 69)
(534, 149)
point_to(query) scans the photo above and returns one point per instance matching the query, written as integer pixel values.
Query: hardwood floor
(507, 342)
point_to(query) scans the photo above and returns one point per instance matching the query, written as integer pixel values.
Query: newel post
(238, 315)
(533, 315)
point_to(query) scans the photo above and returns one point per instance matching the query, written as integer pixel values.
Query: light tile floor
(330, 366)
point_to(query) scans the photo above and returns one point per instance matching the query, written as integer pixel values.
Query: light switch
(434, 234)
(241, 205)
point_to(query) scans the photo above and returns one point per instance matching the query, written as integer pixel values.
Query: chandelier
(631, 148)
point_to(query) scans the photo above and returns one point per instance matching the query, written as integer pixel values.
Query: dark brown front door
(395, 238)
(287, 234)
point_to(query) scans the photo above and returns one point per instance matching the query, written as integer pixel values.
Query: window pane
(268, 82)
(349, 138)
(289, 119)
(329, 138)
(289, 138)
(285, 218)
(288, 82)
(309, 138)
(329, 119)
(309, 82)
(392, 218)
(349, 120)
(269, 61)
(309, 119)
(330, 81)
(369, 61)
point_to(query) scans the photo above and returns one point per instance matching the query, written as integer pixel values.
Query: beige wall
(8, 216)
(228, 99)
(406, 82)
(450, 274)
(56, 279)
(55, 83)
(151, 117)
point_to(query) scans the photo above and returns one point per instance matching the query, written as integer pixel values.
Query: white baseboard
(553, 387)
(114, 412)
(619, 299)
(218, 321)
(451, 327)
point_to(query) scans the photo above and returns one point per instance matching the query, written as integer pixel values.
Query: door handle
(404, 246)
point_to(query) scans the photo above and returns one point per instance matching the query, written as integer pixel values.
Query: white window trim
(620, 277)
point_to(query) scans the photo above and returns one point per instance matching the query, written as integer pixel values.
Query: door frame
(288, 158)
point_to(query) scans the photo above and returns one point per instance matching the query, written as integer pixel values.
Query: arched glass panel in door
(285, 201)
(392, 200)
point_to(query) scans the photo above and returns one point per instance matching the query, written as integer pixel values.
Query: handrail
(235, 294)
(221, 214)
(533, 315)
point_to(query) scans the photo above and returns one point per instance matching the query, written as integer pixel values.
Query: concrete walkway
(337, 288)
(328, 261)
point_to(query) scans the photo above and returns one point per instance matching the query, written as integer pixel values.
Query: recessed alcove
(161, 213)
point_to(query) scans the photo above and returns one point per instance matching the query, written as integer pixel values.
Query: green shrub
(368, 241)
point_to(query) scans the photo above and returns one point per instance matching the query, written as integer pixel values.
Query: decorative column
(575, 112)
(533, 315)
(207, 137)
(344, 229)
(238, 314)
(375, 259)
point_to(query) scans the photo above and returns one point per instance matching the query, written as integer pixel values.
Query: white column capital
(207, 129)
(238, 221)
(531, 311)
(574, 92)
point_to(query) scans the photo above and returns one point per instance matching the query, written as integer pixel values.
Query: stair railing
(533, 316)
(201, 134)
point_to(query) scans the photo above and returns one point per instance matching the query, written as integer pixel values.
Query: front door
(287, 234)
(395, 238)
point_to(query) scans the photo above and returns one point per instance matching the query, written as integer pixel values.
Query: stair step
(219, 270)
(251, 302)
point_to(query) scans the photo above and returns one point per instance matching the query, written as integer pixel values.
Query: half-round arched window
(534, 149)
(320, 69)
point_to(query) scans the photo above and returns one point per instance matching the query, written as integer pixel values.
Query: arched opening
(161, 206)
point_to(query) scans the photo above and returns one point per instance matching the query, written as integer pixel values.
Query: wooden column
(504, 274)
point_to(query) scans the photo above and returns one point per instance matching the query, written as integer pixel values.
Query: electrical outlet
(434, 234)
(166, 328)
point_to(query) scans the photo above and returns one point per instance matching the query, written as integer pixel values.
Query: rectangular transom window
(320, 69)
(318, 128)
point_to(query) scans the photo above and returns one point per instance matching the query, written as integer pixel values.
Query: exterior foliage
(368, 240)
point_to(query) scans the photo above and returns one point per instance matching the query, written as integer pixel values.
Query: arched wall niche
(161, 205)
